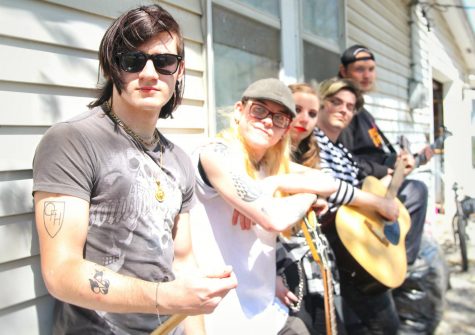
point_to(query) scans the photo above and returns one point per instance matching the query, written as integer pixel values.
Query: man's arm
(185, 265)
(62, 224)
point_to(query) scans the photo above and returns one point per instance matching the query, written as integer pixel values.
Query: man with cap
(372, 150)
(375, 154)
(244, 177)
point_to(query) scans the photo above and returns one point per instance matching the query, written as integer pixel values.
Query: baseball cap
(274, 90)
(349, 55)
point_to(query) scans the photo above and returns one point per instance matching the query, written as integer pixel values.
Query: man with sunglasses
(112, 195)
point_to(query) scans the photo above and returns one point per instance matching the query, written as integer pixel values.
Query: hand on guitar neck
(408, 161)
(421, 158)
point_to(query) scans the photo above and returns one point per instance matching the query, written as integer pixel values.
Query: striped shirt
(336, 159)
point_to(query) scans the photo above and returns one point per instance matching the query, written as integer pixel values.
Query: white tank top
(252, 308)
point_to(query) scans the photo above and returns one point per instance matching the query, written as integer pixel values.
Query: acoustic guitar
(376, 244)
(375, 248)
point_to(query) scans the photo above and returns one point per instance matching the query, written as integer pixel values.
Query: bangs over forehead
(127, 33)
(331, 87)
(131, 30)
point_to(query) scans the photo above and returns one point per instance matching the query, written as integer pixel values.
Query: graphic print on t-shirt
(130, 212)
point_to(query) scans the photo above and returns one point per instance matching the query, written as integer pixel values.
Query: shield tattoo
(53, 215)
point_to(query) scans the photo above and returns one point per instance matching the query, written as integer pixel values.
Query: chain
(153, 142)
(160, 192)
(295, 307)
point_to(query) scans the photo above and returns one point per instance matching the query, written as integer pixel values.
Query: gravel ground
(459, 313)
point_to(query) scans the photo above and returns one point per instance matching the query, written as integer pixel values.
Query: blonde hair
(307, 153)
(332, 86)
(276, 159)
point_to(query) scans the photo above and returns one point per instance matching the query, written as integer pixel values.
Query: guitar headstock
(404, 143)
(444, 133)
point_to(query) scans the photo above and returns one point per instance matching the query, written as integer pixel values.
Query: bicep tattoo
(53, 216)
(98, 283)
(245, 188)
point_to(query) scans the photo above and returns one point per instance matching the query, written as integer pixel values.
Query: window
(321, 18)
(271, 7)
(295, 40)
(244, 51)
(322, 36)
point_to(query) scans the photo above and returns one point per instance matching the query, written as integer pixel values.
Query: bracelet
(156, 300)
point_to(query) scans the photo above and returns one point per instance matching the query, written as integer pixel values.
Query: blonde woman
(247, 170)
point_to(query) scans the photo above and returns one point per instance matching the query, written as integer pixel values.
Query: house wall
(448, 67)
(51, 51)
(384, 26)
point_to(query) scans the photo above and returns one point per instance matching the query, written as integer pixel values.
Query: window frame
(292, 37)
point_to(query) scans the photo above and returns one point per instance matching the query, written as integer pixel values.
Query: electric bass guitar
(312, 233)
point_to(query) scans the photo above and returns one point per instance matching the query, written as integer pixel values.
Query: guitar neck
(396, 180)
(328, 299)
(313, 235)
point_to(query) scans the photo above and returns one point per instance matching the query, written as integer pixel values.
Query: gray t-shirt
(130, 230)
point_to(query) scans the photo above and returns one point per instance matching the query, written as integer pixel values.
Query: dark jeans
(373, 314)
(294, 326)
(312, 309)
(413, 194)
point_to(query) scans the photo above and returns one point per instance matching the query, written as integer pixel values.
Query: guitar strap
(310, 222)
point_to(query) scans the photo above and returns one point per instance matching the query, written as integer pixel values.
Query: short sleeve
(63, 164)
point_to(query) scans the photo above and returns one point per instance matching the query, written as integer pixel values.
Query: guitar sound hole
(392, 232)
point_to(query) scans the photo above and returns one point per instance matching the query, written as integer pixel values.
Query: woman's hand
(283, 293)
(320, 206)
(243, 220)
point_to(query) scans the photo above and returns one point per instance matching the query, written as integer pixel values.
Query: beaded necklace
(159, 193)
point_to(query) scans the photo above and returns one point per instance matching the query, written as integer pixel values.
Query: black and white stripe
(335, 159)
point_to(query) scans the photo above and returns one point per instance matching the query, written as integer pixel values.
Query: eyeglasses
(280, 120)
(134, 61)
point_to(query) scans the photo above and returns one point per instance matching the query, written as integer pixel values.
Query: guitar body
(378, 247)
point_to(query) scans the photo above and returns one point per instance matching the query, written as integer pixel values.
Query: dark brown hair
(307, 153)
(127, 33)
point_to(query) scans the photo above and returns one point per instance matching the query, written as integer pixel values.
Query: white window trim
(291, 70)
(292, 38)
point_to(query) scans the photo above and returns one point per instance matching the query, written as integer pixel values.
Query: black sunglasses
(134, 61)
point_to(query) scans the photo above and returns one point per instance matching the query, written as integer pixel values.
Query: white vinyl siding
(383, 27)
(51, 51)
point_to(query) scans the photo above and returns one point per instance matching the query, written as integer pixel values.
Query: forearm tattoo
(53, 216)
(98, 283)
